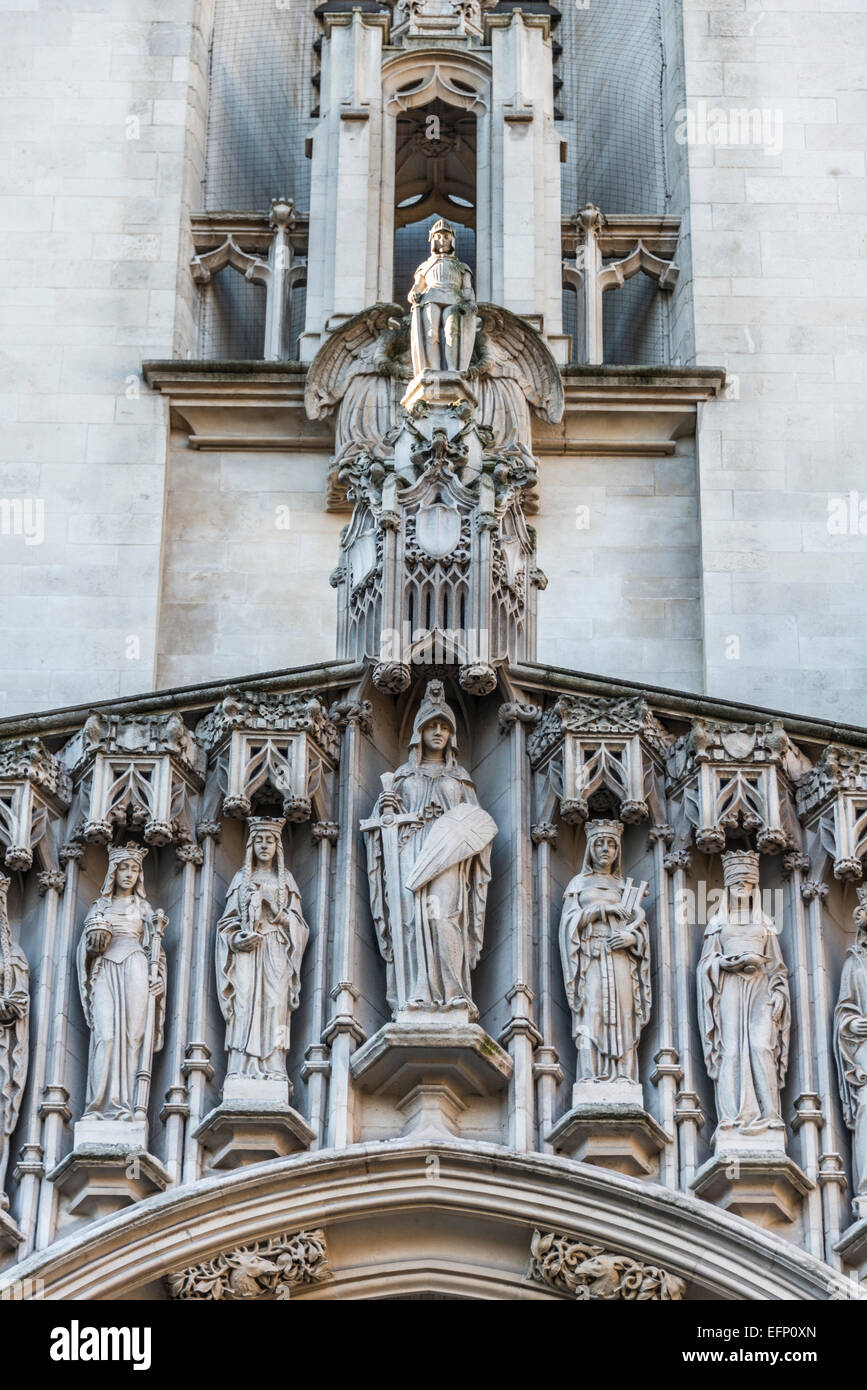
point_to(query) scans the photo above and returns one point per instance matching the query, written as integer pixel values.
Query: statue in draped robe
(850, 1049)
(429, 855)
(605, 950)
(743, 1005)
(14, 1011)
(119, 945)
(261, 939)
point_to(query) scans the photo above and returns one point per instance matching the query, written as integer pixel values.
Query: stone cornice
(199, 700)
(525, 678)
(680, 704)
(620, 232)
(252, 230)
(632, 411)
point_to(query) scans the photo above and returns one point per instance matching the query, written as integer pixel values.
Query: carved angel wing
(511, 339)
(338, 358)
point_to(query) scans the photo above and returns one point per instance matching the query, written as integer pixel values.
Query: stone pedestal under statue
(109, 1167)
(438, 388)
(253, 1122)
(753, 1176)
(852, 1245)
(431, 1064)
(609, 1126)
(10, 1234)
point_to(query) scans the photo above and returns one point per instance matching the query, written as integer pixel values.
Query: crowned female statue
(743, 1005)
(429, 853)
(260, 942)
(121, 980)
(605, 949)
(850, 1048)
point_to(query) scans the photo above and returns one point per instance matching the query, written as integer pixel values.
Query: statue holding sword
(429, 852)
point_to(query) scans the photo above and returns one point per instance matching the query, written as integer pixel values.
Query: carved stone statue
(429, 852)
(121, 979)
(260, 942)
(14, 1009)
(850, 1047)
(362, 370)
(605, 950)
(743, 1007)
(443, 316)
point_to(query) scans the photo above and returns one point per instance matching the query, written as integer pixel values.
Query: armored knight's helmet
(442, 226)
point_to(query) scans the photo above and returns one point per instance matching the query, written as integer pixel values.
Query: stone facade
(133, 526)
(419, 929)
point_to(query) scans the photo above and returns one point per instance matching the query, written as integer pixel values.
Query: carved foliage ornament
(590, 1272)
(267, 1269)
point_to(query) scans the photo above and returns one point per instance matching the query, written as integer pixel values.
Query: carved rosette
(586, 746)
(590, 1272)
(268, 1269)
(733, 778)
(142, 772)
(35, 790)
(270, 747)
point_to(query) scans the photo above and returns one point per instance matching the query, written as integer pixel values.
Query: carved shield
(513, 555)
(438, 529)
(362, 558)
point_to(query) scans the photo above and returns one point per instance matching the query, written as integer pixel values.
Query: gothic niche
(260, 942)
(605, 953)
(14, 1029)
(429, 853)
(121, 970)
(434, 172)
(850, 1048)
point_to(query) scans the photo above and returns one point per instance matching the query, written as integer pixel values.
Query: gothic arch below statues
(451, 1220)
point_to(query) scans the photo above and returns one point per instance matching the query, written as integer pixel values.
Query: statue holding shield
(429, 851)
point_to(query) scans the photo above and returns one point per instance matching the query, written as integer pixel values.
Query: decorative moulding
(585, 746)
(733, 777)
(141, 772)
(832, 801)
(620, 411)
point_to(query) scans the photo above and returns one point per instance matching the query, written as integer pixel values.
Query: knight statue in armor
(443, 313)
